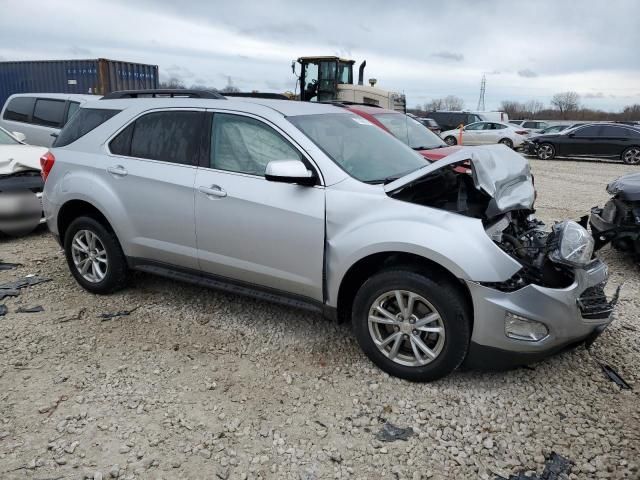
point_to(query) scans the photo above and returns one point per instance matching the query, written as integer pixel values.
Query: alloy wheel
(406, 328)
(631, 156)
(89, 256)
(450, 141)
(545, 152)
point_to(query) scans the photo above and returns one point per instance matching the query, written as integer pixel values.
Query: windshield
(6, 139)
(360, 148)
(410, 131)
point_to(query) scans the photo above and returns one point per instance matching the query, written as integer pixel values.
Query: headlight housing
(575, 244)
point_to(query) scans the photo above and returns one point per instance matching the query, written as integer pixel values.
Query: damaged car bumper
(550, 319)
(20, 202)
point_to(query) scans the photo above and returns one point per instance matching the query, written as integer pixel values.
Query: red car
(405, 128)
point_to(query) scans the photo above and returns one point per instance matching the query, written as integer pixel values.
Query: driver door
(252, 230)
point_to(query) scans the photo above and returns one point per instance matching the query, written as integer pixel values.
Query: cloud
(594, 95)
(527, 73)
(457, 57)
(75, 50)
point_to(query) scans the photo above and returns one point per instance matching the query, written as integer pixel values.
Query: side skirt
(231, 286)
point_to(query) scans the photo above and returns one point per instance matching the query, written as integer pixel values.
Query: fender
(367, 221)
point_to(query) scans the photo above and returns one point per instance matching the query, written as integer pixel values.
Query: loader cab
(320, 77)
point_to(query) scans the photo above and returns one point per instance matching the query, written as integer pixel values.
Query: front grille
(593, 302)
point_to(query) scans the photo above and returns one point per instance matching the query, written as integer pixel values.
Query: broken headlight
(574, 244)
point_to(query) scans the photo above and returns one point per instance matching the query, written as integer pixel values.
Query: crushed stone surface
(199, 384)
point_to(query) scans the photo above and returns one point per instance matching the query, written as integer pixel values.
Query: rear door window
(19, 109)
(82, 123)
(591, 131)
(49, 113)
(616, 132)
(170, 136)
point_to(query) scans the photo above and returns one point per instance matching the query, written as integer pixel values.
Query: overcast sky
(528, 49)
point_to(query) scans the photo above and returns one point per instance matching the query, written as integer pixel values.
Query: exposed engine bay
(497, 188)
(618, 221)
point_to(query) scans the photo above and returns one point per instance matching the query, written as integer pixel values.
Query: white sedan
(20, 184)
(484, 133)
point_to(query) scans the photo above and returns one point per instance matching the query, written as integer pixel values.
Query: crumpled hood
(626, 187)
(18, 158)
(497, 170)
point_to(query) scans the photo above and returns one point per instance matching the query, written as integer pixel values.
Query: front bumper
(529, 147)
(571, 315)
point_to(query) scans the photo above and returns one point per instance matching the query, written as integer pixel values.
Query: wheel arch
(73, 209)
(376, 262)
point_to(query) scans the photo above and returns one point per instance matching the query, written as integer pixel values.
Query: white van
(39, 115)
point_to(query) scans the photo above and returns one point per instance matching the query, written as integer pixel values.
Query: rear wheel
(450, 140)
(631, 156)
(507, 142)
(412, 326)
(94, 256)
(546, 151)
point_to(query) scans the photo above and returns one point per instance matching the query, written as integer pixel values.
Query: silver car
(312, 206)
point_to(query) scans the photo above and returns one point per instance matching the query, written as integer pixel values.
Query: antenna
(483, 87)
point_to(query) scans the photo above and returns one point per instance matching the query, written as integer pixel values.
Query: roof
(320, 57)
(287, 108)
(60, 96)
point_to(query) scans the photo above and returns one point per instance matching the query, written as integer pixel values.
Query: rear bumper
(570, 314)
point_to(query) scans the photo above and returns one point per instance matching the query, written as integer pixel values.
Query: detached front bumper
(529, 147)
(571, 315)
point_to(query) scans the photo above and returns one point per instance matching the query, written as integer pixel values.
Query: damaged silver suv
(312, 206)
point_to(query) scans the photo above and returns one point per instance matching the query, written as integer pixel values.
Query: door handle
(213, 191)
(118, 171)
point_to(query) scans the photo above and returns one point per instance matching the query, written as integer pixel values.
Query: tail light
(522, 132)
(46, 164)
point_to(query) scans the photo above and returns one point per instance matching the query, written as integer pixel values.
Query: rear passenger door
(250, 229)
(613, 140)
(48, 118)
(152, 170)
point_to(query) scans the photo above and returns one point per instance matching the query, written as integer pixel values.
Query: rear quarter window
(19, 109)
(85, 120)
(49, 113)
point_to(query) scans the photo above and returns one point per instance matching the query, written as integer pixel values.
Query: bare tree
(533, 107)
(512, 108)
(451, 102)
(566, 102)
(173, 82)
(433, 105)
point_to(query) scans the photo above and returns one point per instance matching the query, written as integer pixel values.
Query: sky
(528, 50)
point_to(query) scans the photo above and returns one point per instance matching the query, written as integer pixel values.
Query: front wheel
(412, 326)
(507, 142)
(631, 156)
(546, 151)
(451, 141)
(94, 256)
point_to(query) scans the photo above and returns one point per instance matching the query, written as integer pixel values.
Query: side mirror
(289, 171)
(21, 137)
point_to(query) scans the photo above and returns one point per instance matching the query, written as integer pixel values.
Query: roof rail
(162, 92)
(346, 103)
(273, 96)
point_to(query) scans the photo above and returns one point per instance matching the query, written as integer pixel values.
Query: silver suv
(312, 206)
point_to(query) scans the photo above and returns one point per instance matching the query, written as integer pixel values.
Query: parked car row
(604, 140)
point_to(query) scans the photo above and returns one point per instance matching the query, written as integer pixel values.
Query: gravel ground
(200, 384)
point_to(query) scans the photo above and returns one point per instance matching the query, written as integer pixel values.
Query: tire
(546, 151)
(451, 141)
(107, 272)
(444, 304)
(631, 156)
(507, 142)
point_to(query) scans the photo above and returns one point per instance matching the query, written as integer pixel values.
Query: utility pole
(483, 86)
